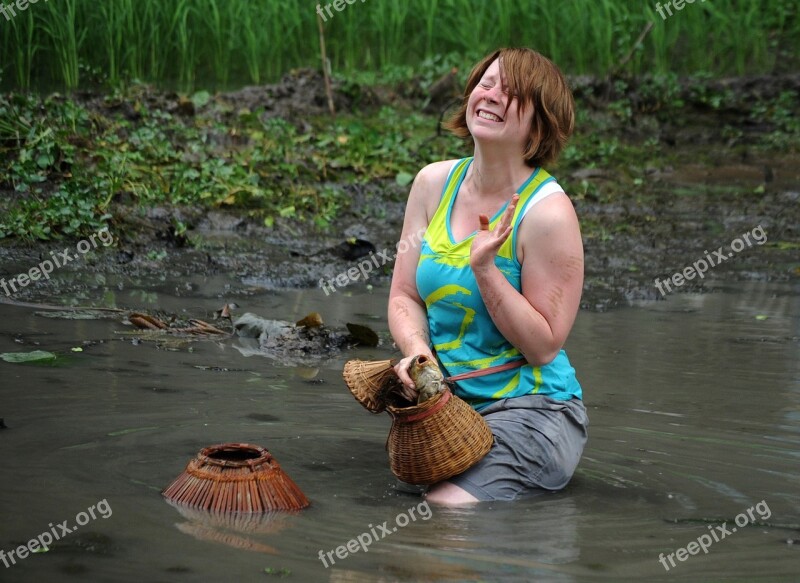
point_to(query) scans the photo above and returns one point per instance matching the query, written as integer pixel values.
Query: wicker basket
(436, 440)
(371, 382)
(236, 477)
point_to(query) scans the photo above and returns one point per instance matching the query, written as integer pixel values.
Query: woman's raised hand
(487, 242)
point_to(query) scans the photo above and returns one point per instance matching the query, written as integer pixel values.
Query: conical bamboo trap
(236, 477)
(371, 382)
(429, 442)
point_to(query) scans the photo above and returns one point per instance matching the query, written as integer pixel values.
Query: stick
(648, 27)
(11, 302)
(325, 72)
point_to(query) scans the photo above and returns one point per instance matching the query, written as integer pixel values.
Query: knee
(448, 494)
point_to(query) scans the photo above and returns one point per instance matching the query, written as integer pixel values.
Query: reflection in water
(524, 540)
(231, 528)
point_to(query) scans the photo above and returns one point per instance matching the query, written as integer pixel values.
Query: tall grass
(219, 43)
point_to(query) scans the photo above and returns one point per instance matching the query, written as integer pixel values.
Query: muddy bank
(662, 174)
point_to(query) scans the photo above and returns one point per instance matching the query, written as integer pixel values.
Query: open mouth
(488, 115)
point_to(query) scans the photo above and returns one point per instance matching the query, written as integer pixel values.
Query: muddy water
(695, 417)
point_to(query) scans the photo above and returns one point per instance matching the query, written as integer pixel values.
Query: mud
(714, 181)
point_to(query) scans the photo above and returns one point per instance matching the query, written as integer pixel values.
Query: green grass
(221, 43)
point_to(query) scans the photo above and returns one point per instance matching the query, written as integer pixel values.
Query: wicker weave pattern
(371, 382)
(436, 440)
(258, 484)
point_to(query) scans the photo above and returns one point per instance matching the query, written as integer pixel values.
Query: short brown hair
(534, 80)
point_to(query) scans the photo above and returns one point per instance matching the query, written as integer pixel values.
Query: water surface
(694, 406)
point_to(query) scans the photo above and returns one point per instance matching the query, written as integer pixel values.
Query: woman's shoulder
(435, 174)
(426, 191)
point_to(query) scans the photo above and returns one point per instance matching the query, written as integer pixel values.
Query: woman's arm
(408, 320)
(538, 320)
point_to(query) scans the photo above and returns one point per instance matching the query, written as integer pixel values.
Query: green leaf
(201, 98)
(22, 357)
(44, 160)
(404, 178)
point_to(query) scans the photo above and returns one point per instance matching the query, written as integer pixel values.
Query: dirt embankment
(671, 177)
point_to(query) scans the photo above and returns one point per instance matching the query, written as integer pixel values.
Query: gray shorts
(537, 444)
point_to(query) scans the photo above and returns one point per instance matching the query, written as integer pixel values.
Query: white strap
(552, 187)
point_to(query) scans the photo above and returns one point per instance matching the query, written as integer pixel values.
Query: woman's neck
(498, 173)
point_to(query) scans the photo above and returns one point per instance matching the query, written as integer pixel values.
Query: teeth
(487, 115)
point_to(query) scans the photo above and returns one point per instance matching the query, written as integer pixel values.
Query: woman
(499, 293)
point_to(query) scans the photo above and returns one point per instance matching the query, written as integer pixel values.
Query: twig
(325, 71)
(11, 302)
(645, 31)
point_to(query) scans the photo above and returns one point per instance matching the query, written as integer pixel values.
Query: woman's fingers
(505, 220)
(401, 370)
(409, 394)
(407, 390)
(508, 216)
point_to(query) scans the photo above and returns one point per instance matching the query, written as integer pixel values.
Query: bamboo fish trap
(236, 477)
(429, 442)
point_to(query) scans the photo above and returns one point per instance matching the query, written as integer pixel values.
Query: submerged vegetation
(220, 43)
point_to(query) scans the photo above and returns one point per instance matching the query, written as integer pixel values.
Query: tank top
(462, 332)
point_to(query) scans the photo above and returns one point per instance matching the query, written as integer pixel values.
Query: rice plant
(223, 43)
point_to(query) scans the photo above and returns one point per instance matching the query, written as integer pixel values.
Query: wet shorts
(537, 444)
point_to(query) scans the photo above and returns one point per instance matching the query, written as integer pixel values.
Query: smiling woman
(540, 84)
(494, 299)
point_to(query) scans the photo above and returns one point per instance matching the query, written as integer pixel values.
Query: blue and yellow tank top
(462, 331)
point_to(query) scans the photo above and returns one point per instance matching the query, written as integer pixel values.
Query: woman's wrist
(484, 271)
(418, 343)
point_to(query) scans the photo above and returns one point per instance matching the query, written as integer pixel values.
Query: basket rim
(408, 415)
(263, 457)
(400, 413)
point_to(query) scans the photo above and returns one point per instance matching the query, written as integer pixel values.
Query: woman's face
(487, 118)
